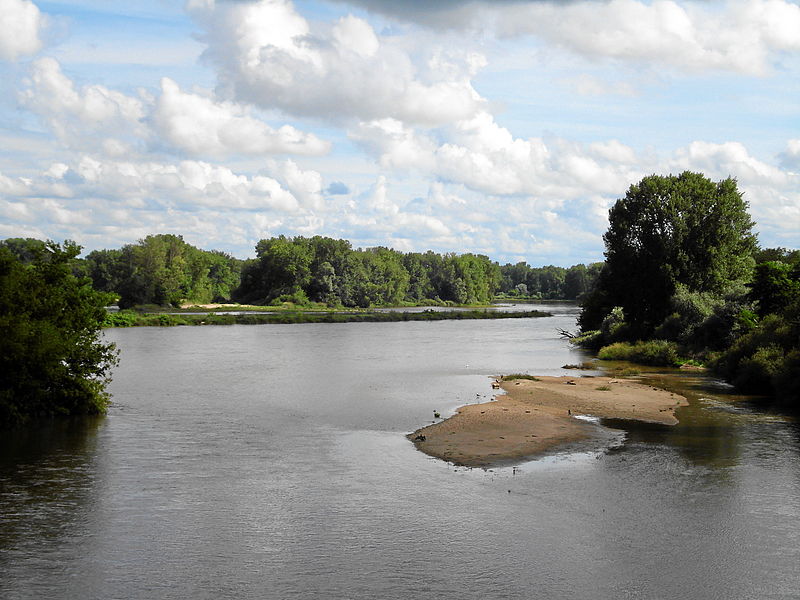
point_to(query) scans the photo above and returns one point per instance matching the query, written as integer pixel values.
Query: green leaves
(330, 271)
(670, 231)
(51, 356)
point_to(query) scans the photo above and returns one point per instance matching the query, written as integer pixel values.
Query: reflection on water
(271, 462)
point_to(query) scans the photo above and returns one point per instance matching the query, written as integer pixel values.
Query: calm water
(270, 462)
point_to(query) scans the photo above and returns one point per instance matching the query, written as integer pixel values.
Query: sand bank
(534, 417)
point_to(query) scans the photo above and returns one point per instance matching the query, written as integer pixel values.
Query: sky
(500, 127)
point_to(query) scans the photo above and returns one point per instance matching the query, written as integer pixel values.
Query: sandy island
(534, 417)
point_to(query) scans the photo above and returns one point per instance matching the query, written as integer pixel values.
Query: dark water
(270, 462)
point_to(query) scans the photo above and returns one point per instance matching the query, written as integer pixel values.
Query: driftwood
(566, 334)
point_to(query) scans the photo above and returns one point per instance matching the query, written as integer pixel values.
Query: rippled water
(270, 462)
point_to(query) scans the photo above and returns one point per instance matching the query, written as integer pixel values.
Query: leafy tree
(669, 231)
(52, 359)
(105, 269)
(25, 249)
(163, 269)
(775, 286)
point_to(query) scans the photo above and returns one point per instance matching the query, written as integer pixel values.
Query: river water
(270, 462)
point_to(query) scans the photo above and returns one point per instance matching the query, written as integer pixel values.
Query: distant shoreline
(134, 319)
(537, 416)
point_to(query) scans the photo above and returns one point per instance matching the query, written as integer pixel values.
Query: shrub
(123, 318)
(653, 352)
(756, 372)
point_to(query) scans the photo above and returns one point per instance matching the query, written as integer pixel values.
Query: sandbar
(536, 417)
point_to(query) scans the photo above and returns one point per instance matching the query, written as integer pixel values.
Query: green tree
(105, 269)
(775, 286)
(51, 357)
(25, 249)
(667, 231)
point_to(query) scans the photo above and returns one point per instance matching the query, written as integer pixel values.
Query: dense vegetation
(51, 357)
(548, 283)
(683, 276)
(164, 270)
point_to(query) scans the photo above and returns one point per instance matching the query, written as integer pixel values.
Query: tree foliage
(327, 270)
(163, 269)
(671, 231)
(52, 359)
(549, 282)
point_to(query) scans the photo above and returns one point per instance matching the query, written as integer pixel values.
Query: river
(270, 462)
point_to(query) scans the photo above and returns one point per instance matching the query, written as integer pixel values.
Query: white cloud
(306, 186)
(486, 157)
(737, 35)
(91, 115)
(187, 184)
(77, 116)
(21, 24)
(267, 54)
(201, 126)
(730, 159)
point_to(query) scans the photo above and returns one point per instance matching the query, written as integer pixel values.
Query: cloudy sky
(501, 127)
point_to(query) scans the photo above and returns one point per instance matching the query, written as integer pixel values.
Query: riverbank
(538, 415)
(136, 319)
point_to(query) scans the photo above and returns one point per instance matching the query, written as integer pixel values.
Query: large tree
(52, 359)
(671, 231)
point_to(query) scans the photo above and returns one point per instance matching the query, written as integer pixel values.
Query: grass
(625, 372)
(603, 388)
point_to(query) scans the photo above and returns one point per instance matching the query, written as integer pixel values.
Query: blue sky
(506, 127)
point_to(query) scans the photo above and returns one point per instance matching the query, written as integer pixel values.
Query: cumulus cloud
(200, 126)
(78, 116)
(267, 54)
(486, 157)
(95, 116)
(188, 184)
(738, 35)
(730, 159)
(21, 23)
(305, 185)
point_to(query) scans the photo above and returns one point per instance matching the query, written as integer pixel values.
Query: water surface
(270, 462)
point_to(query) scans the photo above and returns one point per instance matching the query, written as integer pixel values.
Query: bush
(786, 381)
(653, 352)
(755, 373)
(613, 325)
(123, 318)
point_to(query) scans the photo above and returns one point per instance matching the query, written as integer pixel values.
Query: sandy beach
(534, 417)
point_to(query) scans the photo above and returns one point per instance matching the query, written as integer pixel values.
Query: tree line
(684, 276)
(165, 270)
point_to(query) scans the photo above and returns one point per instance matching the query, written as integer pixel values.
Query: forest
(164, 270)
